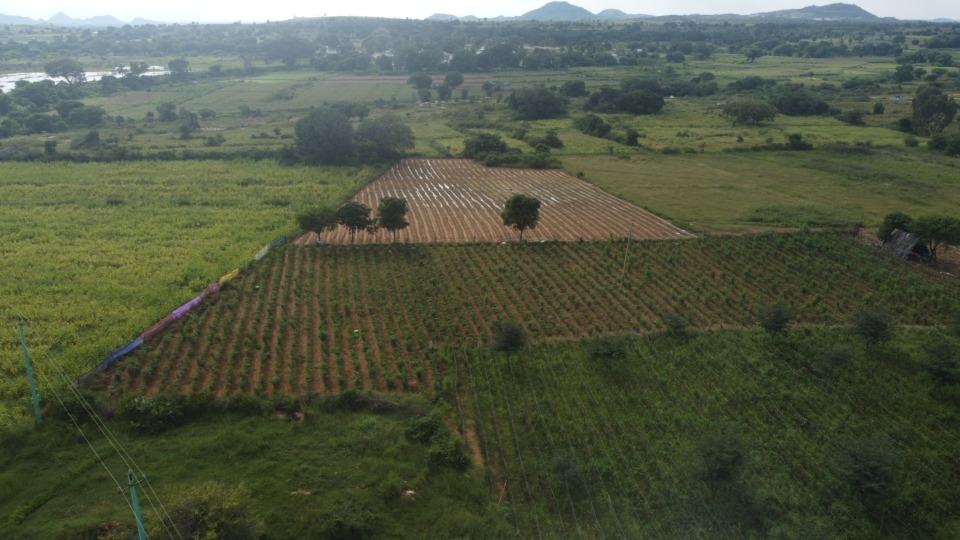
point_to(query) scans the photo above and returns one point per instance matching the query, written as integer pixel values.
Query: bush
(448, 451)
(607, 348)
(423, 430)
(873, 326)
(675, 323)
(776, 317)
(211, 510)
(508, 336)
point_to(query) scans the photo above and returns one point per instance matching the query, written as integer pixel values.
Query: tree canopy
(317, 219)
(383, 138)
(933, 110)
(325, 137)
(892, 222)
(392, 215)
(521, 212)
(936, 231)
(483, 143)
(66, 68)
(355, 216)
(536, 103)
(749, 111)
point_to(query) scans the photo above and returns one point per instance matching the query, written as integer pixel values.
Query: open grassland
(458, 200)
(719, 435)
(93, 254)
(336, 470)
(737, 191)
(287, 327)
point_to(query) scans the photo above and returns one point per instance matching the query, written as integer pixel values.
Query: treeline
(362, 44)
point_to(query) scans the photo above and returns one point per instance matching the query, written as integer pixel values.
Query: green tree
(483, 143)
(392, 215)
(179, 68)
(86, 117)
(521, 212)
(574, 89)
(318, 219)
(873, 326)
(892, 222)
(776, 317)
(66, 68)
(453, 79)
(536, 103)
(355, 216)
(212, 511)
(933, 110)
(325, 137)
(420, 81)
(749, 112)
(936, 231)
(444, 92)
(167, 112)
(384, 138)
(508, 336)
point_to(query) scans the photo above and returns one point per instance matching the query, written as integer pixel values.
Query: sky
(278, 10)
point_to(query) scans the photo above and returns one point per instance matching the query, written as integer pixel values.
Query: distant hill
(62, 19)
(558, 11)
(831, 12)
(16, 19)
(442, 17)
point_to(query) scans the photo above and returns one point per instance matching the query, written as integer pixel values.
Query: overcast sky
(277, 10)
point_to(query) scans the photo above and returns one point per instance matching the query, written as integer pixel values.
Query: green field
(324, 382)
(94, 254)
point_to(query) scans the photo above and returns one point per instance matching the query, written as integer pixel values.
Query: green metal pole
(33, 383)
(132, 482)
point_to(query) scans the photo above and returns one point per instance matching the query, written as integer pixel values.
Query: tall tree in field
(521, 212)
(933, 110)
(392, 215)
(936, 232)
(355, 216)
(383, 138)
(749, 111)
(325, 137)
(67, 68)
(318, 220)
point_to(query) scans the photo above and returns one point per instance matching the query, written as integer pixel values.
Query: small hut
(903, 245)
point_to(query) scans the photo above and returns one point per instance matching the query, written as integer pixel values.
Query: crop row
(587, 448)
(315, 319)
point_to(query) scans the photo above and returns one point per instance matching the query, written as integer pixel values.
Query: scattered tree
(179, 68)
(873, 326)
(536, 103)
(317, 220)
(325, 137)
(420, 81)
(749, 112)
(355, 216)
(384, 138)
(776, 317)
(936, 231)
(521, 212)
(483, 143)
(933, 110)
(68, 69)
(508, 336)
(453, 79)
(892, 222)
(392, 215)
(167, 112)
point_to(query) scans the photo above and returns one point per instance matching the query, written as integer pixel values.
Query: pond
(8, 81)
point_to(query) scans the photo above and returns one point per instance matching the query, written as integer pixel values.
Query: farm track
(458, 200)
(287, 326)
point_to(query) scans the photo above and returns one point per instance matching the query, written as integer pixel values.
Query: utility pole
(33, 383)
(132, 483)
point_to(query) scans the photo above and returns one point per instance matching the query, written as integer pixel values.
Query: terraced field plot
(458, 200)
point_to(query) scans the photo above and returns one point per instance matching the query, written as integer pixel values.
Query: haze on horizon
(278, 10)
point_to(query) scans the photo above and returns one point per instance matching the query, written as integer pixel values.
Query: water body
(8, 81)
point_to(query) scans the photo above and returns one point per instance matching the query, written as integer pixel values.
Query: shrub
(607, 348)
(212, 510)
(448, 451)
(424, 429)
(675, 323)
(873, 326)
(776, 317)
(508, 336)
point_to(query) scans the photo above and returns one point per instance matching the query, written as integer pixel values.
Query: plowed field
(458, 200)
